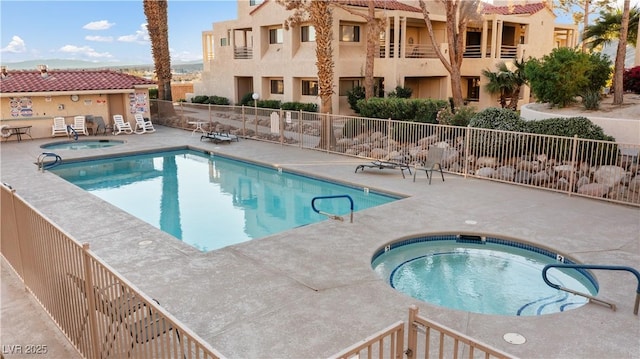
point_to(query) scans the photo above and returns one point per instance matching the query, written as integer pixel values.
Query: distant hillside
(59, 64)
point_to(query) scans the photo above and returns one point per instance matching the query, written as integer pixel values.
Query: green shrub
(418, 110)
(461, 118)
(153, 93)
(299, 106)
(498, 119)
(246, 100)
(269, 103)
(200, 99)
(400, 92)
(591, 99)
(218, 100)
(353, 96)
(568, 127)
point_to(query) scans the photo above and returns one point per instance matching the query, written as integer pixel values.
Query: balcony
(242, 53)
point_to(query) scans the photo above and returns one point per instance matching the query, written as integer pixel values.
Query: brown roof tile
(382, 4)
(513, 10)
(69, 80)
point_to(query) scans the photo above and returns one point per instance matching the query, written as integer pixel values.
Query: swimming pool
(481, 275)
(211, 201)
(80, 144)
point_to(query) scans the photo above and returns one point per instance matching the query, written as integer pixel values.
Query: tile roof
(69, 80)
(522, 9)
(379, 4)
(382, 4)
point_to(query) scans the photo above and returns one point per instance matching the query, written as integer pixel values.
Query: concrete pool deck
(310, 292)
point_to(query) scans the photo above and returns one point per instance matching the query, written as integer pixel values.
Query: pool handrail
(332, 216)
(75, 133)
(592, 266)
(45, 166)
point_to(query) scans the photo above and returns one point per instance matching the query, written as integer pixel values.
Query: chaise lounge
(385, 165)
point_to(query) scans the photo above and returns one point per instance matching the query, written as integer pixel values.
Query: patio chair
(80, 125)
(381, 165)
(431, 163)
(59, 127)
(142, 126)
(120, 125)
(100, 124)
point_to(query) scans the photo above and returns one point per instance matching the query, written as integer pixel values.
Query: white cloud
(16, 46)
(98, 25)
(141, 36)
(85, 51)
(184, 56)
(99, 38)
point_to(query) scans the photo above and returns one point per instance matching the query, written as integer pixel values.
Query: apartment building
(255, 54)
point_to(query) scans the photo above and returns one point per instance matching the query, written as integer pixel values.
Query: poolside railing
(101, 313)
(602, 170)
(425, 339)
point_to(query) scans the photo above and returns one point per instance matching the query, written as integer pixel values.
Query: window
(473, 89)
(347, 84)
(309, 87)
(255, 2)
(277, 87)
(276, 36)
(350, 33)
(223, 42)
(308, 33)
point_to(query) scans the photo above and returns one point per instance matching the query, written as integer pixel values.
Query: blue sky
(103, 31)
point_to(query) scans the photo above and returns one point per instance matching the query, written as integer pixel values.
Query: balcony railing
(243, 52)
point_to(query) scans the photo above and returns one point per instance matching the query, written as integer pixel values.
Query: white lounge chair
(120, 125)
(80, 125)
(142, 126)
(59, 127)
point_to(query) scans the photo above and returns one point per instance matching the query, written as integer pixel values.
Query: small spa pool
(481, 275)
(81, 144)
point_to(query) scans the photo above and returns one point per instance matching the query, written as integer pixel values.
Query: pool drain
(514, 338)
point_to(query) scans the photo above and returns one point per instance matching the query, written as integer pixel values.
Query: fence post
(281, 120)
(574, 155)
(91, 301)
(412, 332)
(389, 138)
(300, 132)
(467, 140)
(244, 123)
(19, 268)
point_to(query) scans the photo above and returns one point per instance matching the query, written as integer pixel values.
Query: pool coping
(310, 292)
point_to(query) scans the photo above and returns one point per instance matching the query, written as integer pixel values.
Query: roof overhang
(66, 93)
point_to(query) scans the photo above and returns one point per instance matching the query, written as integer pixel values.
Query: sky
(112, 31)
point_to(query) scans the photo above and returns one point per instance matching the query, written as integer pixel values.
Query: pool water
(500, 278)
(210, 201)
(81, 144)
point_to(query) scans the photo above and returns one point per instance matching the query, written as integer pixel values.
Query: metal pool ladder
(592, 266)
(332, 216)
(45, 166)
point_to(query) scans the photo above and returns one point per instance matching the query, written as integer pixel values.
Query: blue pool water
(210, 201)
(497, 277)
(80, 144)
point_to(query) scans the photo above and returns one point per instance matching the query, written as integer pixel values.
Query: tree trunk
(585, 25)
(515, 97)
(618, 88)
(372, 37)
(321, 17)
(156, 13)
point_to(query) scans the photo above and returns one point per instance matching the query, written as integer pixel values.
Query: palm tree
(618, 95)
(499, 83)
(609, 25)
(156, 13)
(320, 15)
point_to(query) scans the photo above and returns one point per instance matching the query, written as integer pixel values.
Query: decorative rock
(562, 184)
(523, 177)
(582, 181)
(378, 153)
(427, 141)
(609, 175)
(486, 162)
(540, 178)
(504, 173)
(634, 184)
(485, 172)
(594, 189)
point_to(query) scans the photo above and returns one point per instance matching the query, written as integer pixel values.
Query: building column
(499, 39)
(483, 41)
(494, 35)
